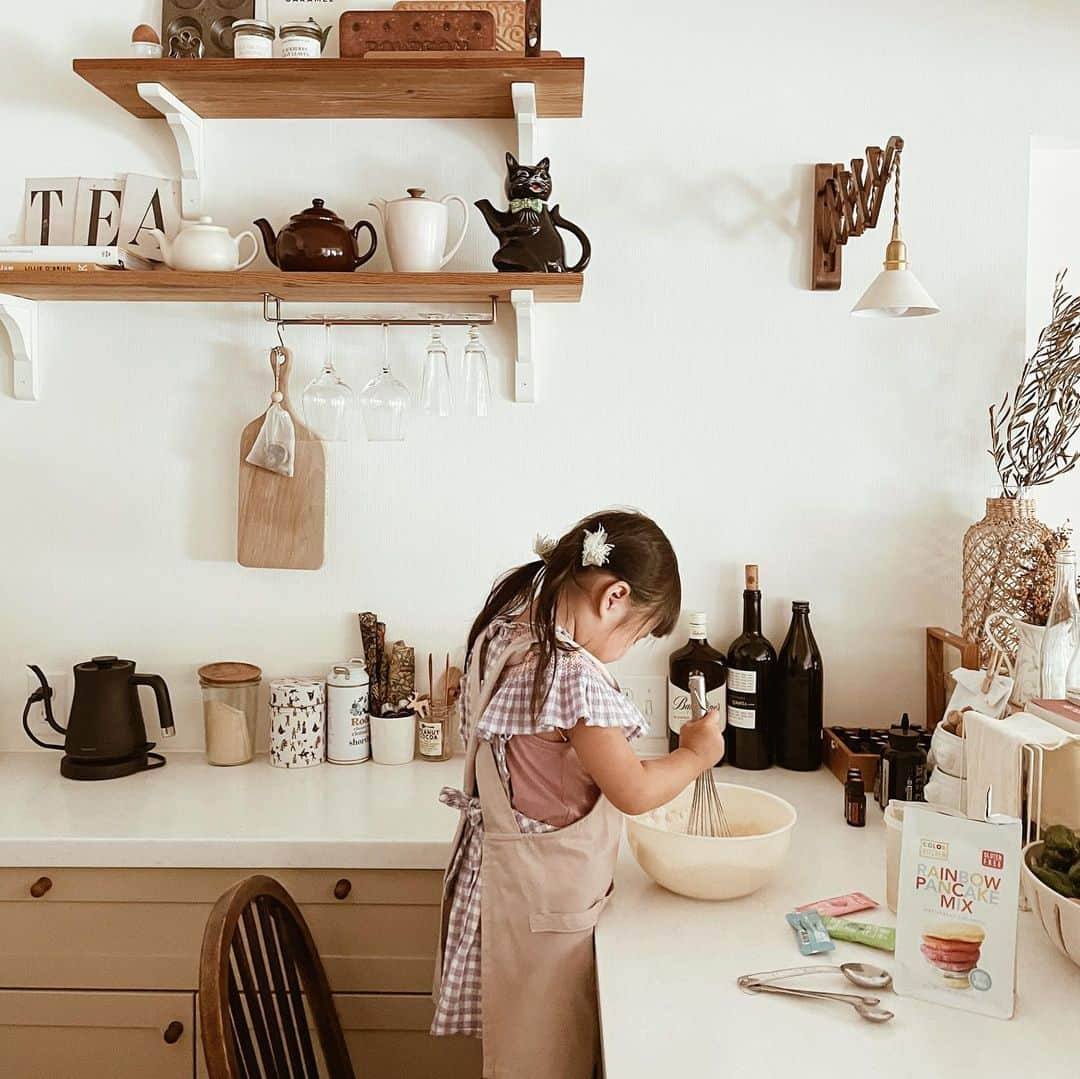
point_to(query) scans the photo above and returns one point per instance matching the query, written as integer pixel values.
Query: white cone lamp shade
(895, 292)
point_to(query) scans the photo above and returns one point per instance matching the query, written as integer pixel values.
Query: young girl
(549, 771)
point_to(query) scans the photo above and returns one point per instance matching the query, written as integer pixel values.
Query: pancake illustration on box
(952, 948)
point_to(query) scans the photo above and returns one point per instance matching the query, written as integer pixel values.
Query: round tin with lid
(348, 723)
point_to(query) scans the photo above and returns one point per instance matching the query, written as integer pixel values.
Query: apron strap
(498, 812)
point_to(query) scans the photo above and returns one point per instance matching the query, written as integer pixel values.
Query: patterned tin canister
(348, 726)
(297, 722)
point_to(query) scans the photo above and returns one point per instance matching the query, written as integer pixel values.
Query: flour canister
(348, 725)
(297, 722)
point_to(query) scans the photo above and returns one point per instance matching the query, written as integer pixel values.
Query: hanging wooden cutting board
(282, 519)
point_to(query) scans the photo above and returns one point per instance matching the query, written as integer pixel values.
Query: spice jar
(303, 40)
(433, 733)
(230, 693)
(253, 39)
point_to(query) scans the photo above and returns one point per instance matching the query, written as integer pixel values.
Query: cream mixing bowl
(703, 867)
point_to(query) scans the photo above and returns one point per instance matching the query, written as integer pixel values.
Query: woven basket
(1002, 556)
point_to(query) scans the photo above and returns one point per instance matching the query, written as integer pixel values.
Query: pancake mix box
(957, 904)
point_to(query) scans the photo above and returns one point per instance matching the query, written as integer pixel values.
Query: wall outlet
(649, 693)
(61, 703)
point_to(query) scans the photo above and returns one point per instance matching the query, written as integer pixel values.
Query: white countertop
(667, 969)
(190, 814)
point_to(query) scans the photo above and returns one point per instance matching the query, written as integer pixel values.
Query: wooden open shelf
(322, 288)
(445, 87)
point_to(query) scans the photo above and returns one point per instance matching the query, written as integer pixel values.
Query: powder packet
(811, 933)
(874, 936)
(841, 904)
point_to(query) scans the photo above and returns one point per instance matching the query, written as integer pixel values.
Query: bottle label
(742, 699)
(678, 710)
(430, 733)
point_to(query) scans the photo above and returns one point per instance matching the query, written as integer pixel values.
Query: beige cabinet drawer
(46, 1035)
(376, 930)
(388, 1038)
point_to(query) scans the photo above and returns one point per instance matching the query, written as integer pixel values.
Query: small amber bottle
(855, 799)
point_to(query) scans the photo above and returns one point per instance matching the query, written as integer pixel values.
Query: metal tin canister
(297, 722)
(348, 723)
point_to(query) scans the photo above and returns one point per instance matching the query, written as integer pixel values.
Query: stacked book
(28, 258)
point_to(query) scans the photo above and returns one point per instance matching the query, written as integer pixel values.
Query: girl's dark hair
(641, 555)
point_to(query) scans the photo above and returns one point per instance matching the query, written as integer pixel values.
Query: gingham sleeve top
(579, 692)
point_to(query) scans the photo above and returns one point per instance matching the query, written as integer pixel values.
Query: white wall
(699, 379)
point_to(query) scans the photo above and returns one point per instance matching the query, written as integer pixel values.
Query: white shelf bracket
(187, 129)
(524, 97)
(20, 318)
(524, 303)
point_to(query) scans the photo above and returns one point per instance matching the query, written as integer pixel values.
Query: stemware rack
(186, 93)
(272, 313)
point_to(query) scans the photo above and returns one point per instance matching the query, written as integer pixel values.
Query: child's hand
(704, 737)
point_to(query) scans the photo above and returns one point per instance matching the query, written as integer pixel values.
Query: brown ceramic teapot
(316, 239)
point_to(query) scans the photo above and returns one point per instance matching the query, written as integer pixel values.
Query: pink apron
(541, 895)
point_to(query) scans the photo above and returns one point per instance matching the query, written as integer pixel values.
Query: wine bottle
(751, 683)
(695, 657)
(800, 686)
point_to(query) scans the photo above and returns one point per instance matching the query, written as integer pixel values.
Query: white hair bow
(543, 546)
(595, 549)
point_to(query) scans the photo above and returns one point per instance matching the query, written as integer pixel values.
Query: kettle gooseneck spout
(380, 205)
(269, 238)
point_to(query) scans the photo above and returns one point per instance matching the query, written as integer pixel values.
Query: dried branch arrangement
(1031, 434)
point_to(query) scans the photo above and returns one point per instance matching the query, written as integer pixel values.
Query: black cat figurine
(529, 241)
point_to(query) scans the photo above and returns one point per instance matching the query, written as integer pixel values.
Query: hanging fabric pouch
(275, 446)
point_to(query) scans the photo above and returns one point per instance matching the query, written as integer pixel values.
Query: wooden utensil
(282, 519)
(360, 32)
(509, 17)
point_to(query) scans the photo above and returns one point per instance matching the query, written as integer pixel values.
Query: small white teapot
(416, 230)
(202, 245)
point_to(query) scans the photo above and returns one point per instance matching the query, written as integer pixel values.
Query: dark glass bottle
(903, 768)
(800, 688)
(696, 656)
(751, 684)
(855, 799)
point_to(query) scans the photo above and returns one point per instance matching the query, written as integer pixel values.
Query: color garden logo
(934, 848)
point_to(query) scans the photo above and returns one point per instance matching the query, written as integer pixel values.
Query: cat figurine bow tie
(528, 233)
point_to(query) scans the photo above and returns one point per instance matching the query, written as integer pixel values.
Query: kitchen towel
(993, 755)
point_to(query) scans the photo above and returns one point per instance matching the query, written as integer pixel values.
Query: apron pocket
(577, 922)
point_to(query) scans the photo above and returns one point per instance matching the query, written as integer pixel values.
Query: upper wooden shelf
(322, 288)
(446, 87)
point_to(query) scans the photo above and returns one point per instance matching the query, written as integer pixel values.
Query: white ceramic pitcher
(1025, 668)
(416, 230)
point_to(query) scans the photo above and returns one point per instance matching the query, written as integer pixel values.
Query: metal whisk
(706, 810)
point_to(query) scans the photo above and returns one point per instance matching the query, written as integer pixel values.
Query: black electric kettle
(105, 736)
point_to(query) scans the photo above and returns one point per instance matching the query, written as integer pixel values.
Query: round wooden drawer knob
(40, 887)
(173, 1032)
(342, 889)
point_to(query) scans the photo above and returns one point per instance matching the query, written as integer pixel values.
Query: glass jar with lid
(230, 694)
(253, 39)
(303, 40)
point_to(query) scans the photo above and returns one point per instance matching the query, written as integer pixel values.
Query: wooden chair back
(265, 1006)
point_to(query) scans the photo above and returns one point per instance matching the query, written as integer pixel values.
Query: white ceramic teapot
(416, 229)
(202, 245)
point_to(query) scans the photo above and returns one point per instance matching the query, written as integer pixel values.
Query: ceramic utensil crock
(202, 245)
(316, 239)
(416, 228)
(297, 723)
